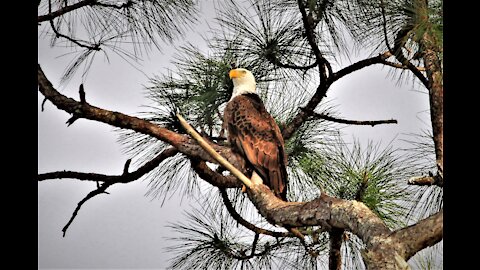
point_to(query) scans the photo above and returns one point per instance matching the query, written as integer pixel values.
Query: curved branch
(361, 64)
(126, 177)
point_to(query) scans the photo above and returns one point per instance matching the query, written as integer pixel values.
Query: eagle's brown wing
(252, 131)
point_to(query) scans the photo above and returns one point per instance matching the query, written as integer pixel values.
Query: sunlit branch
(245, 180)
(426, 180)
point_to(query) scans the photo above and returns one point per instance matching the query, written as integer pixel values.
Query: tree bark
(435, 76)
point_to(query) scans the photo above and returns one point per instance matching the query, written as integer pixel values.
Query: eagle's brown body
(252, 132)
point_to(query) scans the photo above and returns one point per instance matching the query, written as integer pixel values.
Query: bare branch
(43, 104)
(361, 64)
(83, 44)
(126, 166)
(101, 189)
(335, 255)
(53, 14)
(353, 122)
(126, 177)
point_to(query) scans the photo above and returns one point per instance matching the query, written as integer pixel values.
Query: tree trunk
(435, 77)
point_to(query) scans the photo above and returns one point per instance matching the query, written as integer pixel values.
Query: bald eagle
(253, 132)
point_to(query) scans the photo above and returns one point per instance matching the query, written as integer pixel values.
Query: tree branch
(214, 178)
(245, 223)
(101, 189)
(245, 180)
(426, 180)
(402, 59)
(334, 254)
(425, 233)
(353, 122)
(53, 14)
(182, 142)
(126, 177)
(108, 180)
(310, 34)
(361, 64)
(66, 9)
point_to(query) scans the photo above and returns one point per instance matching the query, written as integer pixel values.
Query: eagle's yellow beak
(235, 73)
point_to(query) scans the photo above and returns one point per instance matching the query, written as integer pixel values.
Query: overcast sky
(126, 229)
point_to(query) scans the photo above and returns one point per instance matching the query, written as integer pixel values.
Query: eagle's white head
(243, 82)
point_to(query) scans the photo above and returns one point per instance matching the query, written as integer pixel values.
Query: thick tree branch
(126, 177)
(182, 142)
(353, 122)
(424, 234)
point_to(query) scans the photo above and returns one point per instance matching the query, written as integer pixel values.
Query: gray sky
(126, 229)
